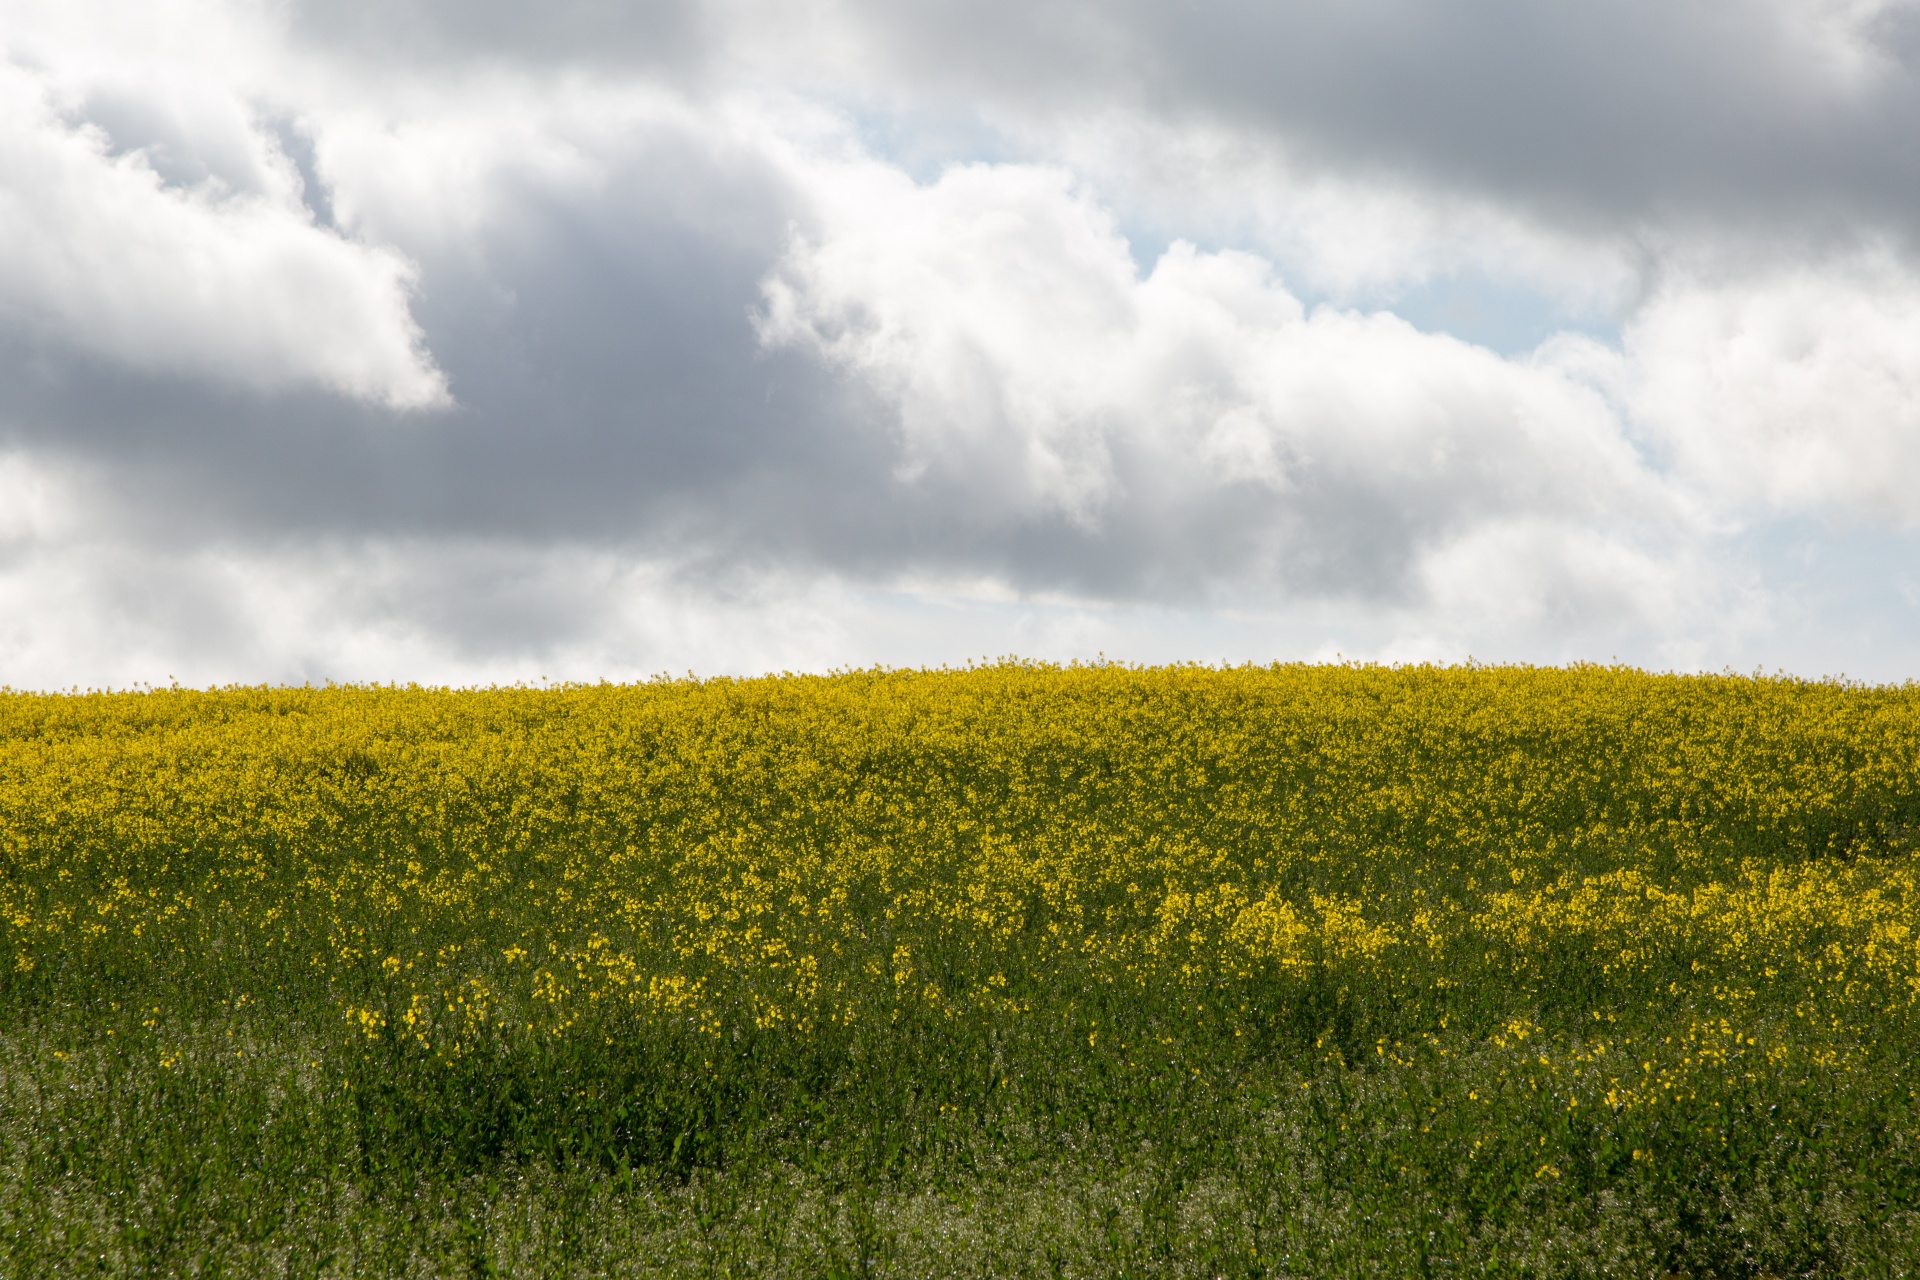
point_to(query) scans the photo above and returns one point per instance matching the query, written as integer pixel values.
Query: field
(1015, 970)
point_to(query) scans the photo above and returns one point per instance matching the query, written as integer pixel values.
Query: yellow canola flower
(792, 853)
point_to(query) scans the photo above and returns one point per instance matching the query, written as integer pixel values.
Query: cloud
(1196, 430)
(1352, 236)
(763, 335)
(1603, 116)
(658, 35)
(1788, 386)
(93, 607)
(99, 252)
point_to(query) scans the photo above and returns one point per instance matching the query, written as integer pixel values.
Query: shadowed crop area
(1014, 970)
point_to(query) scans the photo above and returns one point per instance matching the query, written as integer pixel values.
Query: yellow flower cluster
(1843, 932)
(795, 852)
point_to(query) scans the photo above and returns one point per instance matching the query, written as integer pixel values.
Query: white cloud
(1154, 448)
(1352, 234)
(1838, 39)
(105, 610)
(38, 505)
(1788, 387)
(99, 252)
(1033, 369)
(97, 607)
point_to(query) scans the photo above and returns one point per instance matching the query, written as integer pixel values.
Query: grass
(1296, 971)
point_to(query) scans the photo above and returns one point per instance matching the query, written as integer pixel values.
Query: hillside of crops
(1015, 970)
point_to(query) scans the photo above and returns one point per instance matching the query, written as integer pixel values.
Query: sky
(471, 341)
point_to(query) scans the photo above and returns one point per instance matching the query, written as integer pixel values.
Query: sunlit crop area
(1018, 970)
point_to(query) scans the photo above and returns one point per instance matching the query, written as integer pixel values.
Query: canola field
(1013, 970)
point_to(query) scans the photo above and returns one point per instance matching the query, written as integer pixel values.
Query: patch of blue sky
(924, 144)
(1844, 600)
(1507, 314)
(1501, 313)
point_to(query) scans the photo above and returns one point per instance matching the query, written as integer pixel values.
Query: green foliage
(1021, 970)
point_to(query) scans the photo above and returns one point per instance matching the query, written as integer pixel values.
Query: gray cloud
(1640, 110)
(1763, 110)
(705, 349)
(669, 35)
(603, 358)
(612, 388)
